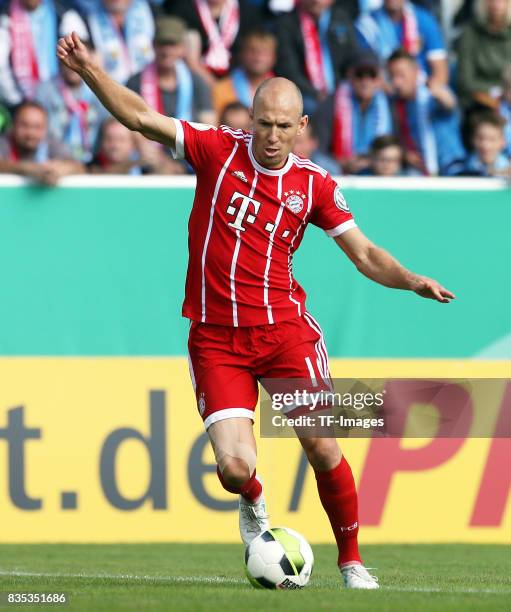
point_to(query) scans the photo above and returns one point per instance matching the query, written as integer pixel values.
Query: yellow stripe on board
(113, 450)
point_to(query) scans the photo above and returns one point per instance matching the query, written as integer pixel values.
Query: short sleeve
(331, 211)
(434, 46)
(195, 142)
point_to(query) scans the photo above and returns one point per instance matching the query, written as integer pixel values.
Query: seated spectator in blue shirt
(387, 158)
(505, 107)
(425, 119)
(122, 33)
(307, 146)
(488, 157)
(399, 24)
(28, 151)
(29, 30)
(350, 120)
(121, 151)
(74, 112)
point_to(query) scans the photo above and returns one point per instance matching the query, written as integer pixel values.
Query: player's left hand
(431, 289)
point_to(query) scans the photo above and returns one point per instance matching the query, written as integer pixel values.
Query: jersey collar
(264, 170)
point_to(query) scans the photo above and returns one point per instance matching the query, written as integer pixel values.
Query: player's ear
(304, 121)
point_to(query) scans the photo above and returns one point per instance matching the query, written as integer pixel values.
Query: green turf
(206, 576)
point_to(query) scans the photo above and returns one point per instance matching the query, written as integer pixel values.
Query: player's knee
(235, 472)
(322, 453)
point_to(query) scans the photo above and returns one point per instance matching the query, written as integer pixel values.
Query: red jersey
(245, 225)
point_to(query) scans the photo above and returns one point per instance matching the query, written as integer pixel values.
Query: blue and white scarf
(125, 55)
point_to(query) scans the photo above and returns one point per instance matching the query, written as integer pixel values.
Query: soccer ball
(279, 558)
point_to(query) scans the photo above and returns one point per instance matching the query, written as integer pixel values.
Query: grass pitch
(211, 576)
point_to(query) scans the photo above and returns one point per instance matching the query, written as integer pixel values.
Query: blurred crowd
(392, 87)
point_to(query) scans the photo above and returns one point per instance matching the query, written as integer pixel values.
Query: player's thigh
(301, 354)
(224, 386)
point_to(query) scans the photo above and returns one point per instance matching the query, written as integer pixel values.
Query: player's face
(276, 124)
(29, 128)
(488, 142)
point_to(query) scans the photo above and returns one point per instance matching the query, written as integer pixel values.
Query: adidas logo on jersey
(239, 174)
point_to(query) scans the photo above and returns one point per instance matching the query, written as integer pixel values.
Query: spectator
(484, 50)
(489, 143)
(237, 116)
(121, 151)
(387, 157)
(122, 32)
(315, 42)
(505, 108)
(217, 26)
(307, 146)
(168, 84)
(256, 62)
(426, 119)
(74, 112)
(29, 30)
(359, 111)
(28, 151)
(399, 24)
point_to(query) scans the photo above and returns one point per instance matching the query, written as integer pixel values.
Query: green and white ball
(279, 558)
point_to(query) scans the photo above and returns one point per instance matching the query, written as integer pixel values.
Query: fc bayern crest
(294, 200)
(202, 403)
(339, 200)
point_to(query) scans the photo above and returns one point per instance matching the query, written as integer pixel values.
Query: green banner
(100, 271)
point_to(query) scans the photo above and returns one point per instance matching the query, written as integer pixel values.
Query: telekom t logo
(242, 212)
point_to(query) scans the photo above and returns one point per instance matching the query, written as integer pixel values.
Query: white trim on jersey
(228, 413)
(340, 229)
(178, 151)
(210, 225)
(308, 165)
(235, 260)
(266, 282)
(263, 170)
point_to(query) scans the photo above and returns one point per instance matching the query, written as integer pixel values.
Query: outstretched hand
(73, 53)
(431, 289)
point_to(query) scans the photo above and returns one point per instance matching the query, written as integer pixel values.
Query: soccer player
(253, 201)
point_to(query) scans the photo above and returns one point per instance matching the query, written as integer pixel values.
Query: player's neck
(277, 166)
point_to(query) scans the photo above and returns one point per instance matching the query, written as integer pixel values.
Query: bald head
(277, 119)
(278, 93)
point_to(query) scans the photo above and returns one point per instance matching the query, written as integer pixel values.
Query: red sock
(339, 498)
(251, 489)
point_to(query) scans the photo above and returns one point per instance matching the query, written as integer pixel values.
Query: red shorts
(227, 362)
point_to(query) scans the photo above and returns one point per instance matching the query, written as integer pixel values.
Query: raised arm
(125, 105)
(381, 267)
